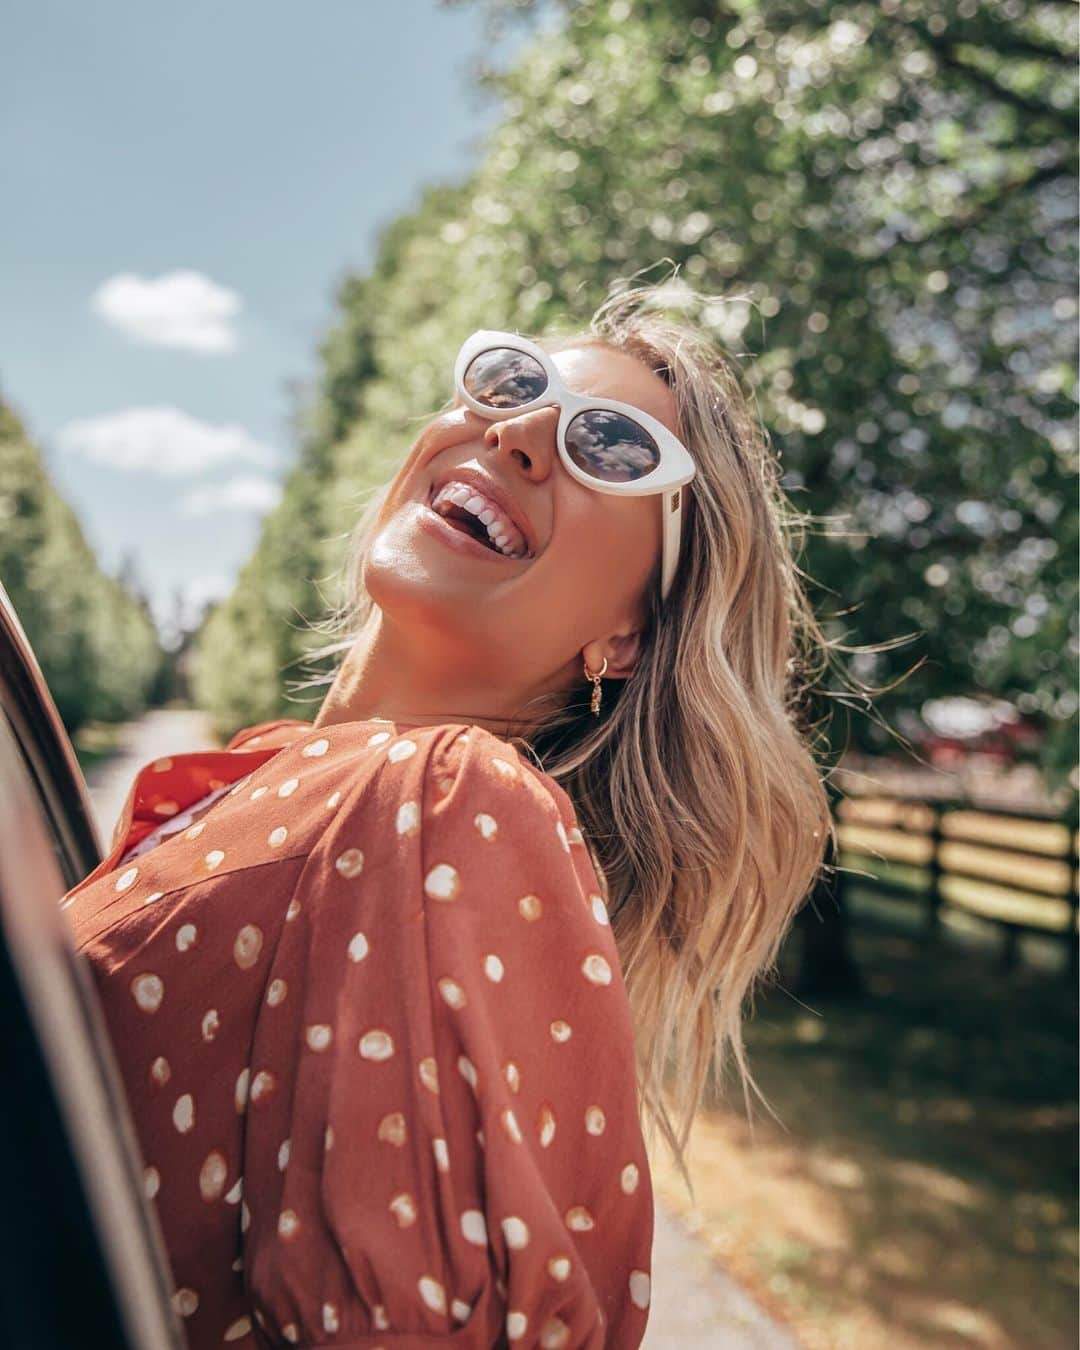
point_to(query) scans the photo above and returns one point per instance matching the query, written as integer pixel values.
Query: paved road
(695, 1306)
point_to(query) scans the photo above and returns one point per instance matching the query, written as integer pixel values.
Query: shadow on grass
(922, 1190)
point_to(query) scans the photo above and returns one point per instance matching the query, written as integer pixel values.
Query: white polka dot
(277, 836)
(376, 1044)
(351, 863)
(392, 1129)
(640, 1287)
(554, 1334)
(401, 750)
(452, 992)
(432, 1292)
(560, 1031)
(290, 1332)
(487, 825)
(186, 936)
(318, 1036)
(516, 1323)
(151, 1182)
(474, 1227)
(127, 879)
(259, 792)
(595, 1120)
(283, 1155)
(599, 909)
(241, 1327)
(162, 765)
(329, 1317)
(292, 911)
(358, 947)
(578, 1219)
(233, 1197)
(185, 1301)
(247, 946)
(408, 818)
(288, 1224)
(214, 858)
(596, 970)
(429, 1073)
(546, 1125)
(379, 1317)
(275, 994)
(560, 830)
(288, 787)
(403, 1208)
(328, 1139)
(155, 895)
(461, 1310)
(380, 738)
(510, 1125)
(442, 1157)
(160, 1071)
(245, 1216)
(184, 1113)
(195, 830)
(512, 1075)
(575, 836)
(333, 800)
(212, 1176)
(211, 1024)
(442, 882)
(493, 967)
(530, 907)
(242, 1090)
(559, 1268)
(628, 1178)
(148, 991)
(467, 1070)
(505, 768)
(263, 1087)
(314, 749)
(166, 808)
(239, 787)
(516, 1232)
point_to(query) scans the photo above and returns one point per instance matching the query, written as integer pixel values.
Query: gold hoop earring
(594, 706)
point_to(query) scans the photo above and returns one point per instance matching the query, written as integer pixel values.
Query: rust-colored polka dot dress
(371, 1022)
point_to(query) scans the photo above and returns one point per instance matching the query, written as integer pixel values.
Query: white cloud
(177, 309)
(161, 440)
(244, 492)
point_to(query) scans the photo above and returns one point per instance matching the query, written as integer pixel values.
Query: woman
(379, 984)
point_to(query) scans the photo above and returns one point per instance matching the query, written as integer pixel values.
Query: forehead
(591, 368)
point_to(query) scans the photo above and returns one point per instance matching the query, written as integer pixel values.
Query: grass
(922, 1189)
(95, 742)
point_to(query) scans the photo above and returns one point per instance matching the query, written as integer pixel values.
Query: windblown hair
(697, 788)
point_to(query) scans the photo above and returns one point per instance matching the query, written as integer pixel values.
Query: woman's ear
(621, 651)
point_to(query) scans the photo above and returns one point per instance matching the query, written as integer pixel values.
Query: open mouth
(458, 518)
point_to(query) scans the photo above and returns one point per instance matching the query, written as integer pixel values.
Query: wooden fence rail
(1012, 868)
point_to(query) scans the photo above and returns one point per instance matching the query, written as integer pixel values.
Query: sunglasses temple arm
(672, 536)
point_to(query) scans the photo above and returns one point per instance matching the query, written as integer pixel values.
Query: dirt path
(694, 1304)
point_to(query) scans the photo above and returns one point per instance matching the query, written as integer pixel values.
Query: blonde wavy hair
(697, 788)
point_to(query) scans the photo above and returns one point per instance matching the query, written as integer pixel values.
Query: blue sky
(184, 187)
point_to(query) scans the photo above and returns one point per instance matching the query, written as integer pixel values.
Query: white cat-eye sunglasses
(607, 445)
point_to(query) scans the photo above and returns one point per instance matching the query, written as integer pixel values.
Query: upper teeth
(502, 532)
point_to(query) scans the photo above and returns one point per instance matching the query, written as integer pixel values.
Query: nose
(529, 439)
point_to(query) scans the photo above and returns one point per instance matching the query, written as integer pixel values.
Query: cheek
(616, 540)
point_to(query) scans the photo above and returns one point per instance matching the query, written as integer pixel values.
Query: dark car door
(82, 1262)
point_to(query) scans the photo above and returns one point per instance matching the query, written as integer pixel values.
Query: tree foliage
(886, 193)
(95, 641)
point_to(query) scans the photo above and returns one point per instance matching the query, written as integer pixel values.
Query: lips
(487, 487)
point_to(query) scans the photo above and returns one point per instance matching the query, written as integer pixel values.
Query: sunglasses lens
(505, 378)
(611, 447)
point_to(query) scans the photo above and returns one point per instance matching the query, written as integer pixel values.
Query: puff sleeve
(465, 1163)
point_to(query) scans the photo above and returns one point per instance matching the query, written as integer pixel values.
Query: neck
(398, 675)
